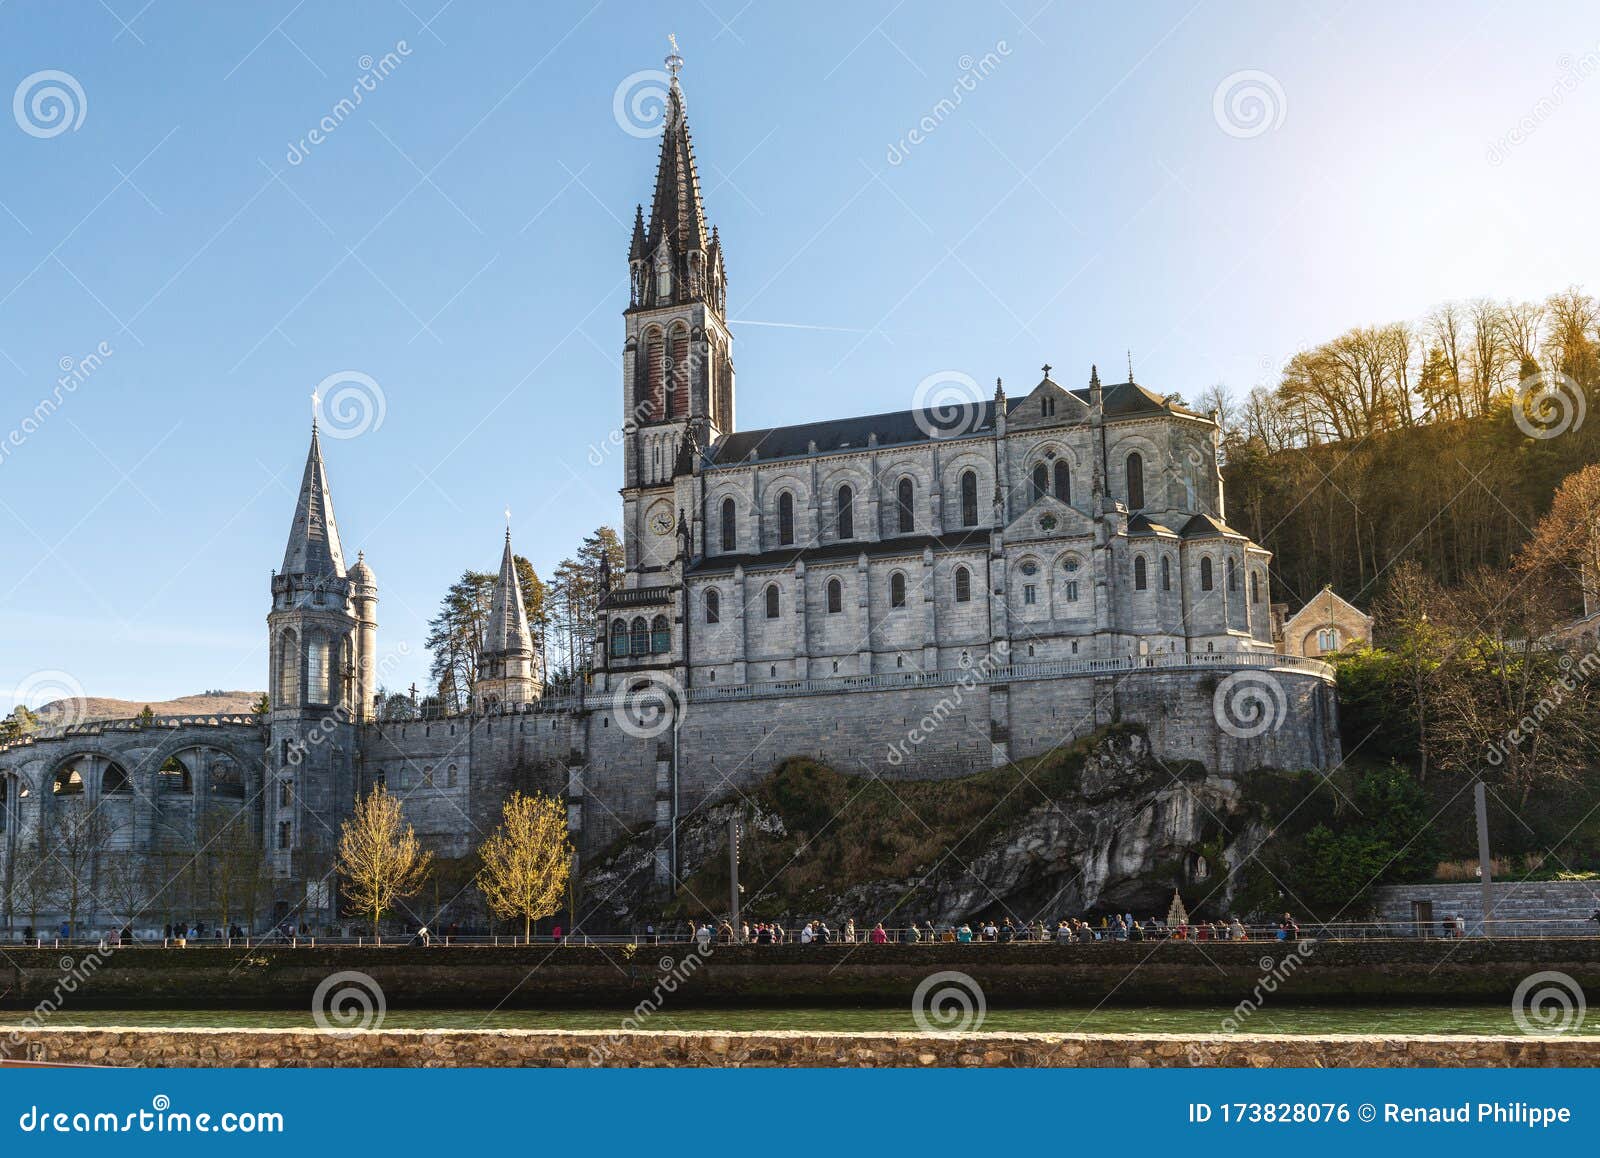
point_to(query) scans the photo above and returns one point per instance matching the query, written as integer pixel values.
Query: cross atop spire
(674, 61)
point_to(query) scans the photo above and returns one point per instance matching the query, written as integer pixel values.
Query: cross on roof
(1047, 369)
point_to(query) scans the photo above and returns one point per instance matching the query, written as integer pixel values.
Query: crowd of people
(1070, 930)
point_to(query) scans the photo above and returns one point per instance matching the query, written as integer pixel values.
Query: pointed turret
(506, 661)
(313, 549)
(636, 249)
(508, 616)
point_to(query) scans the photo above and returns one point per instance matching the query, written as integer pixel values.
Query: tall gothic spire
(313, 548)
(507, 632)
(675, 211)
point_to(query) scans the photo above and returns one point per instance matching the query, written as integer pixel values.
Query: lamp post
(1485, 882)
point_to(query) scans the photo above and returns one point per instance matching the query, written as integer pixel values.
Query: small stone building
(1324, 626)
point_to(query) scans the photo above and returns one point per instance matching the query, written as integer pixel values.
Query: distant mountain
(98, 708)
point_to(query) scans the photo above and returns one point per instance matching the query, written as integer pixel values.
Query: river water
(1495, 1019)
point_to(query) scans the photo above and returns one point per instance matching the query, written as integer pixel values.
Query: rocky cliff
(1101, 827)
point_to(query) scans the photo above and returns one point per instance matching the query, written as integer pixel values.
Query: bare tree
(380, 860)
(75, 837)
(527, 860)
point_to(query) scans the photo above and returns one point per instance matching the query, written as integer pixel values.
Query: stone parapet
(252, 1048)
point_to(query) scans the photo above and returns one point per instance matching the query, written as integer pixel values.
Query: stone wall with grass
(580, 1048)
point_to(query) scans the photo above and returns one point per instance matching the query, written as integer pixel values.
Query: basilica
(1053, 524)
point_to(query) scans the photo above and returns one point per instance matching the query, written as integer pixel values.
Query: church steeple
(506, 660)
(313, 549)
(675, 259)
(676, 212)
(508, 617)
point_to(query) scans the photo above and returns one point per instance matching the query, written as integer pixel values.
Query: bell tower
(315, 637)
(677, 377)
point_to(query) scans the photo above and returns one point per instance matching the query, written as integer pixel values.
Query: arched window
(963, 585)
(619, 638)
(678, 387)
(897, 590)
(1140, 580)
(288, 670)
(660, 635)
(835, 596)
(173, 776)
(68, 782)
(969, 498)
(114, 782)
(845, 525)
(639, 636)
(730, 538)
(450, 776)
(1041, 483)
(1166, 573)
(772, 601)
(650, 385)
(1135, 481)
(1205, 575)
(319, 676)
(786, 518)
(904, 496)
(713, 606)
(1328, 639)
(1255, 587)
(1233, 576)
(1063, 482)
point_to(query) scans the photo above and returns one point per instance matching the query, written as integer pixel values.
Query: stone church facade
(917, 593)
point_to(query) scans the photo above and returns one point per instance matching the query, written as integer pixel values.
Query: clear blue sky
(461, 238)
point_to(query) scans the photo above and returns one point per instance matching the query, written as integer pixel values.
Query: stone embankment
(576, 1048)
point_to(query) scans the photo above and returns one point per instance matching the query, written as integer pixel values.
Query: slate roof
(507, 631)
(313, 549)
(904, 427)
